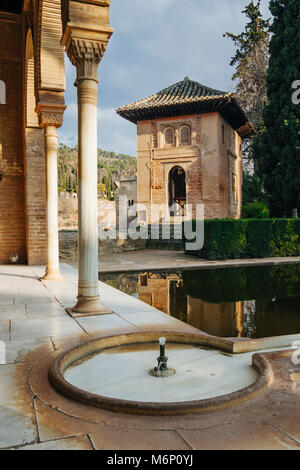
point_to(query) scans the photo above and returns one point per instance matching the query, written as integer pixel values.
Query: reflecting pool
(251, 302)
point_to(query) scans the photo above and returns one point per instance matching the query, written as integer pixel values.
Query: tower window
(2, 92)
(185, 135)
(234, 188)
(169, 136)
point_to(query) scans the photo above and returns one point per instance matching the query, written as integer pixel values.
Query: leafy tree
(278, 148)
(255, 210)
(251, 62)
(252, 189)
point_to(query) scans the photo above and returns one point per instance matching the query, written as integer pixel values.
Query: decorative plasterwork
(85, 49)
(81, 50)
(50, 53)
(50, 115)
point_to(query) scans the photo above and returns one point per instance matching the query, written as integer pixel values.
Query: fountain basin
(112, 373)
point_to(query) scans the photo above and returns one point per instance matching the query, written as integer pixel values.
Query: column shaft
(88, 302)
(88, 285)
(52, 266)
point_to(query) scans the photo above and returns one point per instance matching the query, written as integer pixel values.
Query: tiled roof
(187, 97)
(186, 91)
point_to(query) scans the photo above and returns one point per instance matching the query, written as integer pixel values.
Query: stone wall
(68, 245)
(68, 212)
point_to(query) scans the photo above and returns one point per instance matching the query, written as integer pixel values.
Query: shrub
(250, 238)
(256, 210)
(259, 237)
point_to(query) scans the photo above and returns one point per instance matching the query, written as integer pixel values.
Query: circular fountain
(115, 373)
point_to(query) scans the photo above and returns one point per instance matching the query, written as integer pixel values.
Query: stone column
(51, 118)
(86, 56)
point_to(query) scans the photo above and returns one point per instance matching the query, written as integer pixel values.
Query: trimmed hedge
(250, 238)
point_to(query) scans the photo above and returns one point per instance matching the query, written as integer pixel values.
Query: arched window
(169, 136)
(2, 92)
(185, 135)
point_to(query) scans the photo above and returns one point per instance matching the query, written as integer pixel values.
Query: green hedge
(250, 238)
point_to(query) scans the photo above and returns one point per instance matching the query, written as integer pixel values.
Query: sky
(156, 43)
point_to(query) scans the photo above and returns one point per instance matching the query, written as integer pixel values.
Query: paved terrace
(36, 328)
(150, 260)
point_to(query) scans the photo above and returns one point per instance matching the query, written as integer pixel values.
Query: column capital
(50, 114)
(86, 55)
(85, 48)
(86, 32)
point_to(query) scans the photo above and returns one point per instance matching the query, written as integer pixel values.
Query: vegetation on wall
(250, 238)
(278, 148)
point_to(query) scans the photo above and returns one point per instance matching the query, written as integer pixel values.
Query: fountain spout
(162, 369)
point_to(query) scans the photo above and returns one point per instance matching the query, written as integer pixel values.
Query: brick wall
(12, 206)
(205, 162)
(35, 189)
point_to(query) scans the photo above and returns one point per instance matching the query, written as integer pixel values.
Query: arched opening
(177, 190)
(2, 92)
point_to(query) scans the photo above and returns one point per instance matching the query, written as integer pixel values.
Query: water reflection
(237, 302)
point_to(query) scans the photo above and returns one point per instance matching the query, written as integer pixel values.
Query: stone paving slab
(149, 320)
(44, 327)
(71, 443)
(67, 342)
(4, 326)
(105, 324)
(27, 348)
(12, 312)
(242, 435)
(120, 439)
(35, 311)
(17, 421)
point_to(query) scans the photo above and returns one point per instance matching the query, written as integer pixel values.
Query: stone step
(176, 245)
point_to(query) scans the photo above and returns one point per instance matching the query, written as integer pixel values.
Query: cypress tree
(278, 148)
(251, 62)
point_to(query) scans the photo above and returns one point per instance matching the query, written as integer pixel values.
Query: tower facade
(189, 150)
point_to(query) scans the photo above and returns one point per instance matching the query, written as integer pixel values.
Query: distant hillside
(108, 164)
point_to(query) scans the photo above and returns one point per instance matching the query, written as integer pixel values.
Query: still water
(251, 302)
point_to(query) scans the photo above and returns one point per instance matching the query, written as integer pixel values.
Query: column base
(52, 276)
(88, 306)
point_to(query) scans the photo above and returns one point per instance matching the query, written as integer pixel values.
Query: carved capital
(50, 115)
(86, 56)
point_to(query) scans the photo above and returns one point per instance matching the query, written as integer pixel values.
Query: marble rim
(66, 359)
